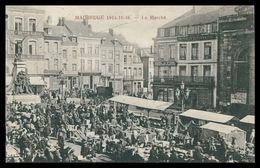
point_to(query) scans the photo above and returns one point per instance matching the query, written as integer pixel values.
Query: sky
(135, 22)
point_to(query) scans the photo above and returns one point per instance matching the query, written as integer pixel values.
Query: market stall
(228, 132)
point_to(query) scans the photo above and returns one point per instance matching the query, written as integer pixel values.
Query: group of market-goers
(119, 134)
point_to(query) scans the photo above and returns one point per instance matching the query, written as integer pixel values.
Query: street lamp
(61, 77)
(114, 43)
(183, 94)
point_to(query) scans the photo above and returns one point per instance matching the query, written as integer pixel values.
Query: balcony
(133, 77)
(189, 80)
(25, 33)
(27, 57)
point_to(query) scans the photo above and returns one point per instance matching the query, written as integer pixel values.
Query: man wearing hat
(198, 154)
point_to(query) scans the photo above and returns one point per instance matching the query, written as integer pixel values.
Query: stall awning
(143, 103)
(250, 119)
(226, 129)
(207, 116)
(37, 81)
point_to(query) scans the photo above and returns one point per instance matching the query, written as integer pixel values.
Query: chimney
(59, 23)
(49, 20)
(90, 27)
(85, 21)
(111, 32)
(151, 49)
(62, 21)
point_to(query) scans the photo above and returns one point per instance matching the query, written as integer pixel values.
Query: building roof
(146, 52)
(207, 116)
(78, 28)
(200, 18)
(109, 37)
(226, 129)
(57, 30)
(143, 103)
(250, 119)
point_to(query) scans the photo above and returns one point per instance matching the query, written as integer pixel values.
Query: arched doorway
(241, 71)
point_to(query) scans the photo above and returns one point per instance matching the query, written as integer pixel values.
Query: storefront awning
(249, 119)
(226, 129)
(207, 116)
(37, 81)
(143, 103)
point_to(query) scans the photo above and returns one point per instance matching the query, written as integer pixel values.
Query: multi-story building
(147, 57)
(187, 51)
(61, 50)
(111, 56)
(24, 25)
(236, 68)
(133, 70)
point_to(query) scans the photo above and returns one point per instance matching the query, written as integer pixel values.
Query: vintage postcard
(130, 84)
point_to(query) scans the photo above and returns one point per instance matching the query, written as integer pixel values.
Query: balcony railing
(25, 33)
(199, 80)
(133, 77)
(26, 56)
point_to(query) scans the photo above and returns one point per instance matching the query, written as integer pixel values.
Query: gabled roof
(226, 129)
(78, 28)
(200, 18)
(250, 119)
(207, 116)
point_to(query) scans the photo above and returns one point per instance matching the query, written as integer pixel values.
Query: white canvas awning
(207, 116)
(37, 81)
(143, 103)
(226, 129)
(250, 119)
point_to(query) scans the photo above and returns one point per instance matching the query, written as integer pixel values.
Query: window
(103, 67)
(74, 67)
(89, 49)
(117, 54)
(191, 30)
(47, 47)
(96, 50)
(209, 28)
(117, 68)
(64, 53)
(183, 51)
(110, 68)
(139, 85)
(32, 25)
(82, 52)
(135, 71)
(194, 71)
(18, 24)
(125, 58)
(140, 71)
(74, 39)
(167, 32)
(172, 31)
(129, 71)
(207, 50)
(161, 51)
(64, 66)
(194, 51)
(125, 73)
(183, 30)
(96, 65)
(74, 54)
(172, 50)
(89, 67)
(214, 27)
(63, 38)
(182, 70)
(206, 70)
(56, 61)
(82, 65)
(55, 49)
(110, 54)
(32, 47)
(103, 53)
(161, 32)
(47, 63)
(130, 59)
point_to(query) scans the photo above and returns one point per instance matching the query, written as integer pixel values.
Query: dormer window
(63, 38)
(48, 30)
(74, 39)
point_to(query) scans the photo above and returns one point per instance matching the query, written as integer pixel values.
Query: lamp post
(61, 77)
(183, 94)
(114, 44)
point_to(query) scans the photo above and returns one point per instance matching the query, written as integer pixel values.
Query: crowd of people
(117, 133)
